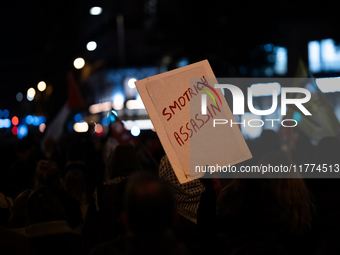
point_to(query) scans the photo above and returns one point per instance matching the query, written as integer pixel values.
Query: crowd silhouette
(76, 196)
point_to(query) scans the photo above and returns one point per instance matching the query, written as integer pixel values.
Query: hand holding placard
(173, 102)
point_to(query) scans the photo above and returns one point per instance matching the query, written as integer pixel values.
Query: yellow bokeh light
(41, 86)
(81, 127)
(31, 92)
(79, 63)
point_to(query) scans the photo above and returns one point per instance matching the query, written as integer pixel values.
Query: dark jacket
(54, 237)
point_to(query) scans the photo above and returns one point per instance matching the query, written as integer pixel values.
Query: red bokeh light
(15, 130)
(15, 120)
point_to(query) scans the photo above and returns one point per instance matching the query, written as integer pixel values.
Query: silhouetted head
(19, 214)
(149, 205)
(123, 161)
(49, 145)
(75, 183)
(273, 201)
(26, 148)
(47, 174)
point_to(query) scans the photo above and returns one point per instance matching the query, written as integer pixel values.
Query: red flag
(75, 100)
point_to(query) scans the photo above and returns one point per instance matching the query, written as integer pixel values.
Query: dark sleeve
(207, 213)
(71, 208)
(89, 231)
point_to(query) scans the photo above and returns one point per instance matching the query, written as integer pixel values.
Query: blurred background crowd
(71, 197)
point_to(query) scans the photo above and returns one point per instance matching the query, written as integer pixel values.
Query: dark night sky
(40, 39)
